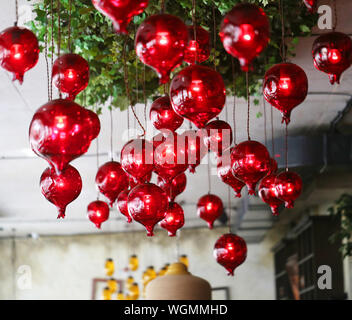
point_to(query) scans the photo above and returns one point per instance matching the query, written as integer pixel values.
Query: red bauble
(19, 51)
(111, 179)
(61, 189)
(198, 50)
(288, 187)
(122, 204)
(137, 158)
(174, 219)
(98, 212)
(70, 74)
(162, 116)
(160, 43)
(250, 162)
(61, 130)
(217, 136)
(311, 5)
(230, 251)
(175, 187)
(147, 204)
(267, 192)
(198, 94)
(245, 33)
(210, 208)
(120, 12)
(332, 54)
(285, 87)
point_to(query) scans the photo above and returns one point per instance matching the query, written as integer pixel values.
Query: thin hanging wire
(178, 245)
(111, 134)
(16, 12)
(52, 48)
(162, 6)
(209, 174)
(145, 101)
(97, 161)
(194, 21)
(229, 196)
(265, 134)
(335, 16)
(234, 101)
(69, 25)
(286, 146)
(46, 56)
(214, 38)
(59, 36)
(248, 106)
(283, 47)
(272, 132)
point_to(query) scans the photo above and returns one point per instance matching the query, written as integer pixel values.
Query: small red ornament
(332, 54)
(230, 251)
(311, 5)
(61, 188)
(245, 33)
(70, 74)
(98, 212)
(198, 50)
(174, 219)
(61, 131)
(122, 204)
(288, 187)
(217, 136)
(285, 87)
(250, 162)
(111, 179)
(19, 51)
(147, 204)
(160, 43)
(210, 208)
(267, 192)
(198, 94)
(175, 187)
(120, 12)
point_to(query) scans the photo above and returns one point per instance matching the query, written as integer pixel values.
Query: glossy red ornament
(19, 51)
(98, 212)
(174, 219)
(198, 49)
(230, 251)
(198, 94)
(210, 208)
(245, 33)
(134, 182)
(160, 43)
(217, 136)
(122, 204)
(147, 204)
(70, 74)
(288, 187)
(332, 54)
(175, 187)
(61, 131)
(250, 161)
(267, 192)
(311, 5)
(61, 188)
(285, 86)
(111, 179)
(120, 12)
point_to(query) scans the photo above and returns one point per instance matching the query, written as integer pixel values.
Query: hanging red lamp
(175, 187)
(98, 212)
(217, 136)
(288, 187)
(311, 5)
(122, 204)
(267, 192)
(210, 208)
(198, 48)
(174, 219)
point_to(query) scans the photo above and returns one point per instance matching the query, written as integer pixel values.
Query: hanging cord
(209, 176)
(286, 146)
(178, 233)
(52, 48)
(97, 155)
(272, 132)
(335, 15)
(162, 6)
(59, 37)
(16, 12)
(283, 48)
(234, 101)
(69, 25)
(248, 106)
(214, 38)
(46, 56)
(111, 134)
(195, 28)
(265, 135)
(145, 101)
(230, 209)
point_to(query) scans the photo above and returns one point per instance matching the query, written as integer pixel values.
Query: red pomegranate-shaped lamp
(288, 187)
(218, 136)
(210, 208)
(174, 219)
(267, 192)
(198, 48)
(98, 212)
(122, 204)
(175, 187)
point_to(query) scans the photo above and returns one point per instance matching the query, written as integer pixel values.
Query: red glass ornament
(111, 179)
(175, 187)
(61, 188)
(217, 136)
(210, 208)
(267, 192)
(288, 187)
(250, 162)
(163, 116)
(61, 130)
(19, 51)
(230, 251)
(160, 43)
(311, 5)
(147, 204)
(122, 204)
(134, 182)
(245, 33)
(70, 74)
(332, 54)
(285, 87)
(198, 94)
(174, 219)
(198, 49)
(98, 212)
(120, 12)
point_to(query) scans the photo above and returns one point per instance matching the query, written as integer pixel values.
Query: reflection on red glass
(210, 208)
(288, 187)
(122, 204)
(174, 219)
(175, 187)
(267, 192)
(98, 212)
(198, 50)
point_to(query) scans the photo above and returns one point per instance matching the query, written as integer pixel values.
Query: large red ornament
(175, 187)
(288, 187)
(147, 204)
(245, 33)
(61, 130)
(174, 219)
(120, 12)
(160, 43)
(250, 161)
(70, 74)
(285, 87)
(267, 192)
(122, 204)
(332, 54)
(198, 49)
(217, 136)
(210, 208)
(19, 51)
(61, 188)
(311, 5)
(98, 212)
(230, 251)
(198, 94)
(111, 179)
